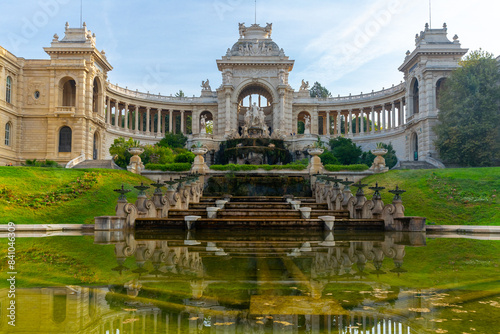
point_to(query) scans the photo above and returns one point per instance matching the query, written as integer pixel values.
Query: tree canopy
(317, 90)
(468, 132)
(345, 150)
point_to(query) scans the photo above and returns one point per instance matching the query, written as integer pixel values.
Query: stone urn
(135, 166)
(378, 165)
(315, 165)
(199, 165)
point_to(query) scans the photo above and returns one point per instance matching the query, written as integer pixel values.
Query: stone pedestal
(305, 212)
(315, 165)
(329, 222)
(199, 165)
(212, 212)
(136, 166)
(378, 165)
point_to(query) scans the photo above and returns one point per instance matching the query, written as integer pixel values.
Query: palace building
(65, 109)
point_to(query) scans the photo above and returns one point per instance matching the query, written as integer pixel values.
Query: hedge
(234, 167)
(175, 167)
(337, 168)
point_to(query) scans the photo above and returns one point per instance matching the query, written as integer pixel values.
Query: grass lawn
(41, 183)
(465, 196)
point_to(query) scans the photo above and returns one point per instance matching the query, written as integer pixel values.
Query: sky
(165, 46)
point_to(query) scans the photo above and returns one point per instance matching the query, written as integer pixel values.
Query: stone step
(259, 223)
(254, 205)
(336, 213)
(415, 165)
(105, 164)
(274, 213)
(174, 213)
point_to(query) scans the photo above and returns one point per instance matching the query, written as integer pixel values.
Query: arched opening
(95, 150)
(8, 127)
(65, 139)
(259, 96)
(206, 123)
(68, 92)
(59, 303)
(96, 96)
(8, 90)
(414, 98)
(439, 87)
(303, 123)
(414, 146)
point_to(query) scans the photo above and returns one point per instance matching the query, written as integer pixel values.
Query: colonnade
(146, 120)
(360, 120)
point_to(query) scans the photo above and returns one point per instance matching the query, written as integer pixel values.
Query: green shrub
(157, 155)
(345, 150)
(174, 167)
(119, 150)
(46, 163)
(337, 168)
(327, 158)
(184, 157)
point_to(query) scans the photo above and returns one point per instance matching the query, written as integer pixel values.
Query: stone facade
(65, 108)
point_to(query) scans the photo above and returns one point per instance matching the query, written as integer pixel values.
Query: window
(65, 139)
(8, 90)
(7, 134)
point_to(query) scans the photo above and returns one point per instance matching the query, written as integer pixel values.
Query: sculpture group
(255, 122)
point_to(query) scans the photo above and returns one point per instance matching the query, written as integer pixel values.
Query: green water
(277, 282)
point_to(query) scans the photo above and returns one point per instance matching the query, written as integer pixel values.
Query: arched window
(65, 139)
(68, 92)
(7, 134)
(439, 87)
(96, 103)
(415, 97)
(59, 308)
(8, 90)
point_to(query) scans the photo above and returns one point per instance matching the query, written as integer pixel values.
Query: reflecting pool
(255, 282)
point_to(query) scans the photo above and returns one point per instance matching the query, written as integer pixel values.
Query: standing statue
(307, 125)
(203, 124)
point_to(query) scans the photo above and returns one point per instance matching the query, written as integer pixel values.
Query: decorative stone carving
(304, 86)
(205, 85)
(203, 124)
(307, 125)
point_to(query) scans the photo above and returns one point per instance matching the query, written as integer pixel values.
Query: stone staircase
(105, 164)
(415, 165)
(258, 213)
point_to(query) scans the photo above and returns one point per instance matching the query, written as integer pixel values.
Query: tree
(319, 91)
(468, 132)
(345, 150)
(119, 150)
(171, 140)
(180, 93)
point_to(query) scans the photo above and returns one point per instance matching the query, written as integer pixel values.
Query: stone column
(362, 121)
(393, 115)
(183, 131)
(158, 122)
(148, 120)
(170, 118)
(349, 125)
(384, 125)
(338, 130)
(401, 113)
(378, 119)
(117, 111)
(328, 123)
(126, 116)
(108, 113)
(136, 119)
(228, 113)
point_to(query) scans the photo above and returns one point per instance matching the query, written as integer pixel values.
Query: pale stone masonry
(64, 107)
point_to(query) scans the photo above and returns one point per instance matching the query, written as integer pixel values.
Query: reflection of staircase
(106, 164)
(415, 165)
(258, 213)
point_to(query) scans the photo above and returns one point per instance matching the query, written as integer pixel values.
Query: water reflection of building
(178, 289)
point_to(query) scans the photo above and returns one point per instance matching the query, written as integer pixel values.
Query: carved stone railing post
(378, 205)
